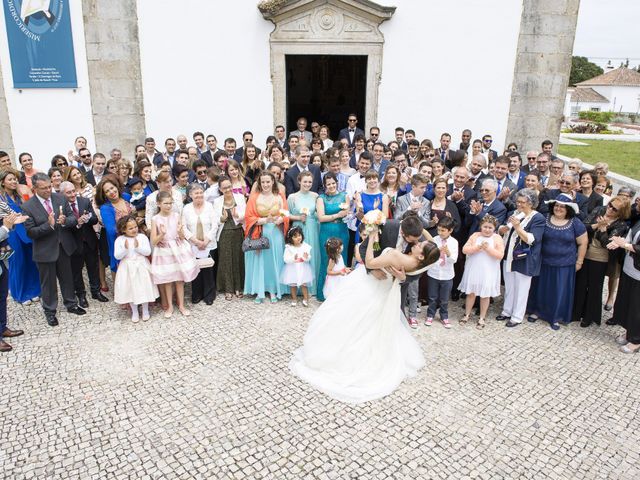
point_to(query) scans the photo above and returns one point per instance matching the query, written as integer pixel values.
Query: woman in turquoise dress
(262, 267)
(302, 211)
(24, 281)
(371, 198)
(331, 207)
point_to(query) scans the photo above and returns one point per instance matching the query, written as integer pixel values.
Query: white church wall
(205, 66)
(448, 66)
(45, 121)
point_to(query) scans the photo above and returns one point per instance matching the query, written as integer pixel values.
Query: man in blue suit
(303, 155)
(379, 164)
(351, 131)
(490, 205)
(515, 173)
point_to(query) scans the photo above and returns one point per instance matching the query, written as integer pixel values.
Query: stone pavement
(211, 397)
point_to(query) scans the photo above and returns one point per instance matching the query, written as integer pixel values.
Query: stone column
(543, 64)
(6, 137)
(115, 80)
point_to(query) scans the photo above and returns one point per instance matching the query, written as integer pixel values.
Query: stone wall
(543, 64)
(113, 57)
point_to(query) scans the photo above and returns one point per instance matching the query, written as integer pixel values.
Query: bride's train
(358, 346)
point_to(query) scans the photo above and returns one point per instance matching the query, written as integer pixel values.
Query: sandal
(228, 296)
(480, 324)
(464, 319)
(239, 294)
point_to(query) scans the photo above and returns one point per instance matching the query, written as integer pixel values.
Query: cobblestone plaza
(211, 396)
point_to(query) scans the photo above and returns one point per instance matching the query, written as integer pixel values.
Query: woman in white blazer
(229, 211)
(200, 226)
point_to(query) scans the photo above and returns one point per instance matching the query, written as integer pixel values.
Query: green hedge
(600, 117)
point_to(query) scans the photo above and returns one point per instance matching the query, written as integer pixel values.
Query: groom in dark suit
(401, 235)
(303, 156)
(49, 226)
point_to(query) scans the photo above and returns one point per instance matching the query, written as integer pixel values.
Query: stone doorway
(325, 89)
(331, 30)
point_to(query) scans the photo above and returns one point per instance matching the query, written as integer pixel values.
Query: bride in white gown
(358, 346)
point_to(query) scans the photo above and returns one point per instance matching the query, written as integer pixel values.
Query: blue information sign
(40, 43)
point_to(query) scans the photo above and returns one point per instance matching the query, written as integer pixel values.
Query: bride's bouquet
(373, 220)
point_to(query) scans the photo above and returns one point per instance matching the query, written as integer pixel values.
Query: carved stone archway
(325, 27)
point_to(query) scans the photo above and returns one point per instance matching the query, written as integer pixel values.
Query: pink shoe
(428, 322)
(413, 323)
(445, 322)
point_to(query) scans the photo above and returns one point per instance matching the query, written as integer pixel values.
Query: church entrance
(326, 89)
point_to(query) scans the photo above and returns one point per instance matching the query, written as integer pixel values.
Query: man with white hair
(489, 205)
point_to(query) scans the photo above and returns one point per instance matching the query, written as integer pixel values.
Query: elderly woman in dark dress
(564, 245)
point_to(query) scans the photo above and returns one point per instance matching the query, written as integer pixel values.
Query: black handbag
(249, 243)
(521, 250)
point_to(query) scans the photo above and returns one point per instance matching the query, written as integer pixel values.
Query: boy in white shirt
(440, 274)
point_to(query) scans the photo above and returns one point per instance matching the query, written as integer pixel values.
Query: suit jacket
(463, 210)
(388, 239)
(508, 202)
(291, 179)
(85, 232)
(529, 265)
(344, 133)
(307, 135)
(47, 240)
(424, 212)
(207, 157)
(90, 177)
(520, 182)
(383, 168)
(478, 182)
(497, 209)
(404, 146)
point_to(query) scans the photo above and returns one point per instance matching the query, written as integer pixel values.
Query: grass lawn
(622, 157)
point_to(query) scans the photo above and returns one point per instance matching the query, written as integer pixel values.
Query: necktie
(74, 207)
(47, 206)
(443, 258)
(499, 185)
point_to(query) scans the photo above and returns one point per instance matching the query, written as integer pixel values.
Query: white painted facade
(621, 99)
(205, 66)
(45, 122)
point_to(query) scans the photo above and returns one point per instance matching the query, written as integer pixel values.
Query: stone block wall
(115, 79)
(542, 70)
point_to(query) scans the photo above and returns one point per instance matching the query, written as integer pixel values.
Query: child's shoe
(428, 322)
(445, 322)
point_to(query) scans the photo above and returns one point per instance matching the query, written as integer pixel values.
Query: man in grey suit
(49, 221)
(7, 225)
(415, 200)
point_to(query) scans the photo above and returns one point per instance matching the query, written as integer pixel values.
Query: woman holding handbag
(200, 226)
(266, 221)
(523, 236)
(229, 209)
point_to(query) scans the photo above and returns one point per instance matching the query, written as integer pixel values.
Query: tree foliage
(582, 69)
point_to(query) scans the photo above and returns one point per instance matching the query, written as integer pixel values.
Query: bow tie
(351, 130)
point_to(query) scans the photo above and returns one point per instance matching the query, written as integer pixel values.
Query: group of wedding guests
(285, 220)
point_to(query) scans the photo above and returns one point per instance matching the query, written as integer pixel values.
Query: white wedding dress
(358, 346)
